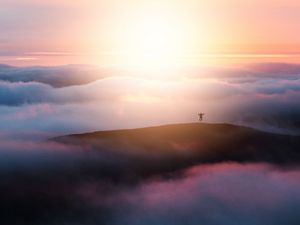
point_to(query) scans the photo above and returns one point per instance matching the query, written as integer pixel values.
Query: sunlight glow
(153, 40)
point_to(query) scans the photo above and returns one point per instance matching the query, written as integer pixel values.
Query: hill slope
(194, 143)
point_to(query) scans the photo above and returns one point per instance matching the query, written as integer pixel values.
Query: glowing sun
(153, 41)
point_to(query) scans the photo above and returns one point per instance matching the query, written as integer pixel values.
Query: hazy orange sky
(106, 32)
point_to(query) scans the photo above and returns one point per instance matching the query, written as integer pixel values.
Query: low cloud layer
(262, 96)
(216, 194)
(59, 76)
(48, 183)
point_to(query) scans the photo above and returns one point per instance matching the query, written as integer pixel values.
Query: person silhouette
(201, 115)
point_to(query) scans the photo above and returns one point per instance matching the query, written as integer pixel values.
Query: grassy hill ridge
(204, 142)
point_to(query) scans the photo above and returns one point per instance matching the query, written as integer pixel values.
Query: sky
(114, 32)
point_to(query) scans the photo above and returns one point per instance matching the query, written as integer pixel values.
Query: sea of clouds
(46, 183)
(70, 99)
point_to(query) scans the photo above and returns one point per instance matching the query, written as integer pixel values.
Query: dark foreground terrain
(196, 142)
(177, 174)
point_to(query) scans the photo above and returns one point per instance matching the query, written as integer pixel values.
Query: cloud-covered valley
(72, 185)
(264, 96)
